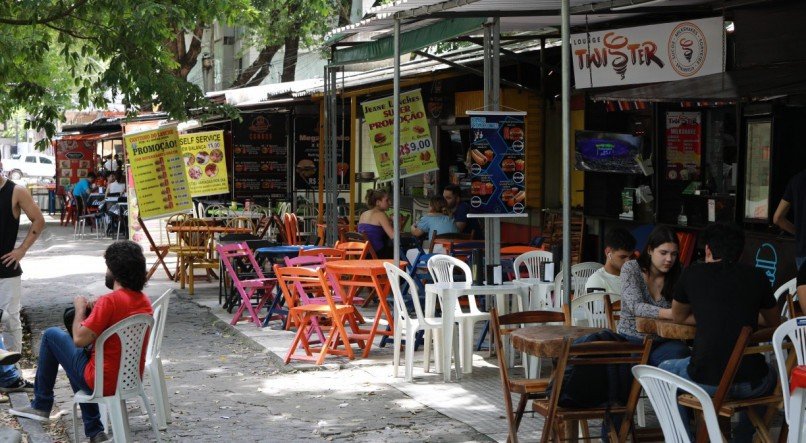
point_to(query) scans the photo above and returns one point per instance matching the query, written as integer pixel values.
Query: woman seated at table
(437, 220)
(115, 186)
(646, 291)
(376, 225)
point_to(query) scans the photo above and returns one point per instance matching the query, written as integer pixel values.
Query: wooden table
(665, 328)
(546, 340)
(355, 274)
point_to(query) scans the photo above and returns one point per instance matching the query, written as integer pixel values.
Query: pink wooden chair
(249, 287)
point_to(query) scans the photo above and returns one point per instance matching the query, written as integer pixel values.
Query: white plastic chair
(154, 362)
(131, 332)
(794, 404)
(532, 260)
(662, 388)
(580, 273)
(404, 321)
(441, 268)
(591, 308)
(790, 287)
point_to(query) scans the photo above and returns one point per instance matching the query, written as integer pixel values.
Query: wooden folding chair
(291, 223)
(195, 251)
(259, 286)
(446, 240)
(329, 253)
(354, 250)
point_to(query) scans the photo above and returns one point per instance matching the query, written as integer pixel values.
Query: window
(30, 159)
(45, 160)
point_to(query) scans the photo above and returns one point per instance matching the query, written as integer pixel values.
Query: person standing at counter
(795, 197)
(647, 285)
(376, 225)
(459, 209)
(619, 248)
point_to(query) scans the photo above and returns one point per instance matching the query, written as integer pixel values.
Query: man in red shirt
(126, 276)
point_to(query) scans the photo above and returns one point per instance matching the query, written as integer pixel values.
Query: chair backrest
(532, 260)
(174, 220)
(291, 224)
(298, 277)
(310, 261)
(217, 211)
(795, 330)
(580, 273)
(228, 253)
(198, 239)
(241, 222)
(278, 226)
(446, 239)
(591, 308)
(350, 236)
(131, 332)
(160, 306)
(613, 310)
(441, 267)
(788, 288)
(329, 253)
(200, 210)
(354, 250)
(662, 389)
(463, 249)
(394, 274)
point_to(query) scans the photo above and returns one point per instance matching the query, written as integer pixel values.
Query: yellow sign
(205, 165)
(159, 173)
(416, 148)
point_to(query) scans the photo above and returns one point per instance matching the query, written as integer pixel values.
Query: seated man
(619, 247)
(126, 276)
(724, 296)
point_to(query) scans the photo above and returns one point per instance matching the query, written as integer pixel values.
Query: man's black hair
(127, 263)
(725, 240)
(455, 190)
(91, 175)
(619, 239)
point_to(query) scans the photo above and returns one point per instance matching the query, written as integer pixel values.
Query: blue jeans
(744, 430)
(57, 348)
(8, 373)
(662, 349)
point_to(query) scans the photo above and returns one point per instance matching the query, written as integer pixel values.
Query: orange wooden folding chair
(356, 250)
(291, 224)
(329, 253)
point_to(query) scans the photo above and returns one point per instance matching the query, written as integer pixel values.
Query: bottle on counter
(682, 220)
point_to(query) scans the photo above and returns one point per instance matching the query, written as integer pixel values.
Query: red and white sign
(648, 54)
(683, 145)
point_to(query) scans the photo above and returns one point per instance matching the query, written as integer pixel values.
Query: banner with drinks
(159, 173)
(683, 145)
(416, 148)
(497, 164)
(205, 163)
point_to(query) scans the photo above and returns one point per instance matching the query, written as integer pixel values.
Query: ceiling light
(633, 5)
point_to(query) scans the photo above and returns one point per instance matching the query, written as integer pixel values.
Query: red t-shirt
(108, 310)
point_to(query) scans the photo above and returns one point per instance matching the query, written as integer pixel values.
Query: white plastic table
(538, 294)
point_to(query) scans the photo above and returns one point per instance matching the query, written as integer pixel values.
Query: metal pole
(396, 145)
(493, 237)
(566, 147)
(332, 231)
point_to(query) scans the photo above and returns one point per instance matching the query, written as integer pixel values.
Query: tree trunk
(258, 70)
(290, 59)
(344, 12)
(186, 56)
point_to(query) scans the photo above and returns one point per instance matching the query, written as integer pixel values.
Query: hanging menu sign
(683, 145)
(159, 173)
(260, 156)
(306, 152)
(205, 165)
(498, 164)
(74, 159)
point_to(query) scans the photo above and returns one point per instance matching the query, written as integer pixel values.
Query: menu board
(159, 176)
(260, 156)
(683, 145)
(205, 163)
(498, 164)
(306, 152)
(416, 148)
(74, 159)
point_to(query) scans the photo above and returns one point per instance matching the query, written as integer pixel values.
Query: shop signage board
(205, 163)
(497, 164)
(158, 171)
(306, 152)
(74, 159)
(260, 157)
(416, 150)
(683, 145)
(648, 54)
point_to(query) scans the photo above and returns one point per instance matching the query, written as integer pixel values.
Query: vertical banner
(159, 173)
(74, 159)
(205, 163)
(683, 145)
(306, 151)
(498, 164)
(260, 157)
(416, 147)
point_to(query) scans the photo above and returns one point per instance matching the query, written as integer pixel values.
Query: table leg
(430, 308)
(448, 301)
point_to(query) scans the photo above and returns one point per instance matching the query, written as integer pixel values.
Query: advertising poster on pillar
(205, 163)
(416, 148)
(74, 159)
(260, 157)
(683, 145)
(306, 152)
(155, 160)
(497, 164)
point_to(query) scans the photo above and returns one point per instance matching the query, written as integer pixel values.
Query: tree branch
(41, 21)
(258, 70)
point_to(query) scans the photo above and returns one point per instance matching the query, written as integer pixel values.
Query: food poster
(74, 159)
(205, 163)
(159, 176)
(306, 151)
(260, 157)
(417, 155)
(683, 145)
(498, 164)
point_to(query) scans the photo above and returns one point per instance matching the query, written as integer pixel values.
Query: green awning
(409, 41)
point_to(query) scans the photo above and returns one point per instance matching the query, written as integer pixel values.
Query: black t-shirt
(802, 275)
(795, 194)
(724, 297)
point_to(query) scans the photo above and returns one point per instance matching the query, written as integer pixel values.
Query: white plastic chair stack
(661, 387)
(404, 321)
(441, 268)
(794, 404)
(131, 332)
(154, 362)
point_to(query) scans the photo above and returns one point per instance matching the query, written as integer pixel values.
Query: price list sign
(158, 171)
(498, 164)
(260, 156)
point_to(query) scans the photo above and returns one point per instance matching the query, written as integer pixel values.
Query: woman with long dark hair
(646, 291)
(376, 225)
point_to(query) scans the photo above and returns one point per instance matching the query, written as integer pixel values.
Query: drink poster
(683, 145)
(159, 176)
(260, 157)
(416, 148)
(74, 159)
(306, 151)
(205, 163)
(498, 164)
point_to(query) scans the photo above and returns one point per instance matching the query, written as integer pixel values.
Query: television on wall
(608, 152)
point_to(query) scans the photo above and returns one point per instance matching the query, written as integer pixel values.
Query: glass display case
(757, 175)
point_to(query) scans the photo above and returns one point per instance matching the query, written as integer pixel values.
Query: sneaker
(29, 412)
(8, 357)
(21, 385)
(100, 437)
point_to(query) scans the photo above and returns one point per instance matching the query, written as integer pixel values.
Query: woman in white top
(619, 248)
(115, 185)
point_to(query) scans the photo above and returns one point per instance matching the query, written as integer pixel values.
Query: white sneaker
(33, 414)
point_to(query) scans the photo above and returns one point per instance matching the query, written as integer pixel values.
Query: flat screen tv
(607, 152)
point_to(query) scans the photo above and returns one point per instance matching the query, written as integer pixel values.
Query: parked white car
(29, 165)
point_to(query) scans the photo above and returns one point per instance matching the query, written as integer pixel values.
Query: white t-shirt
(117, 188)
(602, 279)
